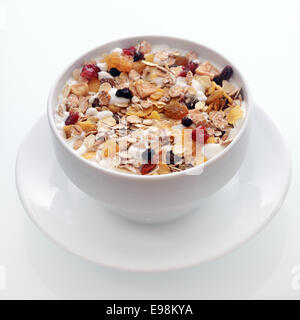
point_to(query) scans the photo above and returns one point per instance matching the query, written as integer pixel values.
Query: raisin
(225, 74)
(95, 103)
(146, 168)
(186, 121)
(175, 110)
(124, 93)
(191, 103)
(114, 72)
(138, 56)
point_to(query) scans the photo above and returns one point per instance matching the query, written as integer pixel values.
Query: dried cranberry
(90, 71)
(138, 56)
(200, 134)
(124, 93)
(191, 103)
(146, 168)
(225, 74)
(148, 155)
(72, 118)
(114, 72)
(129, 51)
(186, 121)
(192, 66)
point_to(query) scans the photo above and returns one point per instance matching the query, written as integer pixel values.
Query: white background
(37, 40)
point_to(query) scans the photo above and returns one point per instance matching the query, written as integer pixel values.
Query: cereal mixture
(149, 110)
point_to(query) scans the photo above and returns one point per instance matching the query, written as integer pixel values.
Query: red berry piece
(146, 168)
(200, 134)
(192, 66)
(90, 71)
(131, 51)
(72, 118)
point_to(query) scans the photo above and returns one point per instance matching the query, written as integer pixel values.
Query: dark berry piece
(191, 103)
(146, 168)
(148, 155)
(138, 56)
(192, 66)
(124, 93)
(114, 72)
(172, 158)
(90, 71)
(225, 74)
(200, 134)
(72, 118)
(129, 51)
(186, 121)
(95, 103)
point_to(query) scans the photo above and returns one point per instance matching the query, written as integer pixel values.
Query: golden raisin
(121, 62)
(94, 85)
(175, 110)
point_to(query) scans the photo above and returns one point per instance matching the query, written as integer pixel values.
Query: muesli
(149, 110)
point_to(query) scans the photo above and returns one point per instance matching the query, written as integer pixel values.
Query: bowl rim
(172, 175)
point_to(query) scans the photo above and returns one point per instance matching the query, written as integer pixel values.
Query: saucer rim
(280, 200)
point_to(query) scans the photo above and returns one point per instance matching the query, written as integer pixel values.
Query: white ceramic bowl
(159, 198)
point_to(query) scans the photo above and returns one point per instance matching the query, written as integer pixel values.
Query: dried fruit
(94, 85)
(129, 51)
(124, 93)
(200, 134)
(114, 72)
(234, 114)
(182, 61)
(225, 74)
(146, 168)
(72, 118)
(138, 66)
(138, 56)
(175, 110)
(186, 121)
(90, 71)
(154, 115)
(68, 131)
(192, 66)
(121, 62)
(95, 103)
(191, 103)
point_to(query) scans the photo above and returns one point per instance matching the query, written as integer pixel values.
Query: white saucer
(222, 223)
